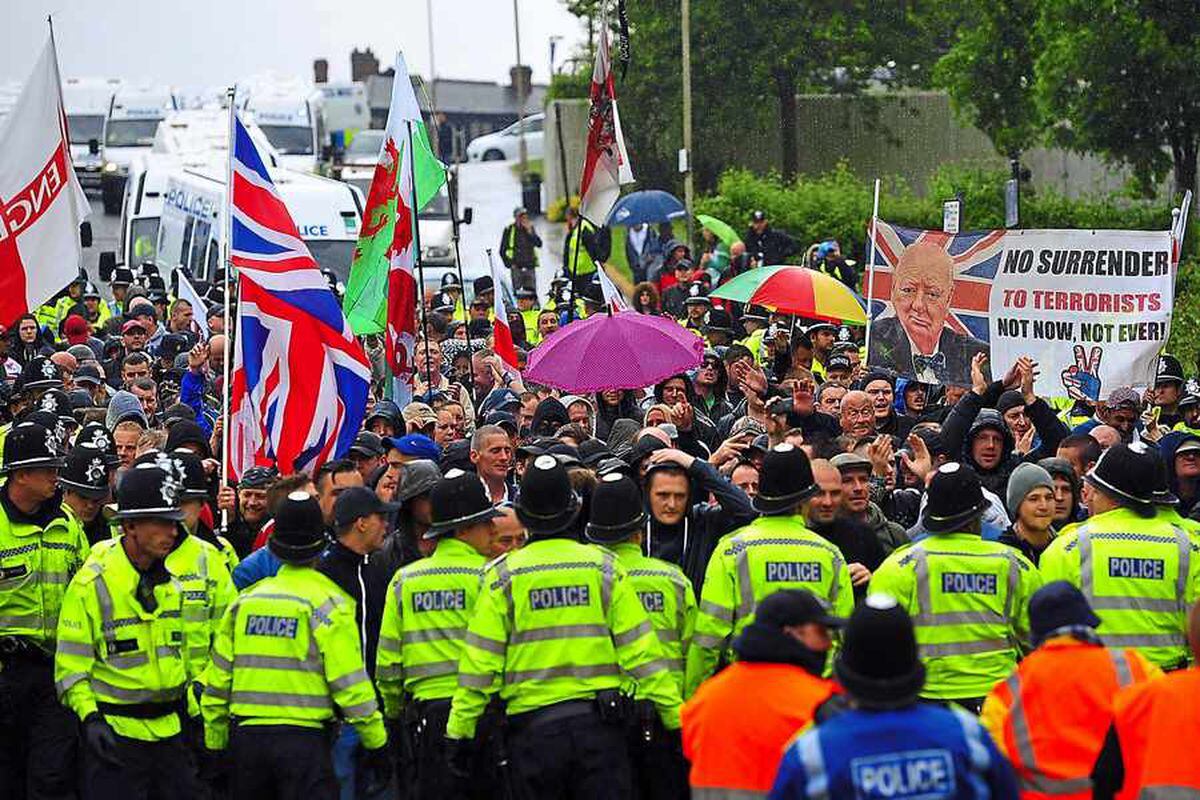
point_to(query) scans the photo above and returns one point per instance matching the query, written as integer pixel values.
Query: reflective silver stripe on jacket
(808, 747)
(549, 673)
(943, 649)
(1030, 776)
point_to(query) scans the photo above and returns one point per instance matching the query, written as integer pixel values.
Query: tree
(1121, 80)
(989, 74)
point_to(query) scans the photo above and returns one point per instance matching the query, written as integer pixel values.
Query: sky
(199, 44)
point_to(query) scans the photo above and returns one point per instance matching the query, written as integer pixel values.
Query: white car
(503, 145)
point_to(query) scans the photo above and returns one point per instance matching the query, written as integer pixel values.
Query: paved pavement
(493, 190)
(490, 188)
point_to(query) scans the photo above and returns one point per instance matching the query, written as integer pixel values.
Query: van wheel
(493, 155)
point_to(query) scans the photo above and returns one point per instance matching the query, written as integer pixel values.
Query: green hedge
(837, 205)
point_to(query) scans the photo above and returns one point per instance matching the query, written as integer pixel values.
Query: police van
(9, 92)
(285, 117)
(86, 102)
(133, 117)
(340, 111)
(191, 232)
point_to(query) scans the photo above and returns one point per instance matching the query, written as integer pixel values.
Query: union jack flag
(300, 378)
(976, 257)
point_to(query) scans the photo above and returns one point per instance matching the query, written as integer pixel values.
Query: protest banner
(1093, 308)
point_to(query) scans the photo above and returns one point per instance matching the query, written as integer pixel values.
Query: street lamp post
(523, 154)
(685, 159)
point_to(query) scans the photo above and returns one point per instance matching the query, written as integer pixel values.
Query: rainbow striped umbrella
(796, 290)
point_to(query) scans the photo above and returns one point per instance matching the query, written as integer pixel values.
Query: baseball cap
(1188, 445)
(758, 216)
(133, 324)
(794, 607)
(414, 444)
(88, 373)
(419, 413)
(357, 502)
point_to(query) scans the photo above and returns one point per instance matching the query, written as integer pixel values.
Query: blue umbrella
(652, 205)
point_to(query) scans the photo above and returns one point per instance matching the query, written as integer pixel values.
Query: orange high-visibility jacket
(1051, 716)
(1158, 725)
(736, 725)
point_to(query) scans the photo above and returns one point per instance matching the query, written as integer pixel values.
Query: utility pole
(523, 154)
(432, 64)
(685, 156)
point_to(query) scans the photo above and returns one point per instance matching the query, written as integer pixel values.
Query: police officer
(84, 479)
(774, 552)
(42, 547)
(968, 597)
(425, 616)
(123, 662)
(556, 629)
(518, 250)
(1140, 572)
(617, 522)
(887, 744)
(285, 665)
(192, 500)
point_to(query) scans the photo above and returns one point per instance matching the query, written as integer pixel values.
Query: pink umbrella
(626, 350)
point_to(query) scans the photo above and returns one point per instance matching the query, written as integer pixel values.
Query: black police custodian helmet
(459, 499)
(86, 472)
(150, 490)
(878, 665)
(616, 510)
(39, 373)
(1126, 472)
(195, 480)
(30, 446)
(786, 480)
(954, 498)
(299, 533)
(94, 434)
(547, 504)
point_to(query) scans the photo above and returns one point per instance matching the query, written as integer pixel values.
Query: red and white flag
(41, 202)
(606, 164)
(502, 340)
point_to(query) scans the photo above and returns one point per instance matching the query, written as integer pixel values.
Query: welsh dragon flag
(382, 293)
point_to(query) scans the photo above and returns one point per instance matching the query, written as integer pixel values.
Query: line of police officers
(555, 670)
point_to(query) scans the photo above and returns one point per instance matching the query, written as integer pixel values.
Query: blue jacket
(262, 563)
(922, 751)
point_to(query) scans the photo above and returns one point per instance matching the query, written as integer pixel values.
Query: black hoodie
(690, 544)
(548, 417)
(364, 578)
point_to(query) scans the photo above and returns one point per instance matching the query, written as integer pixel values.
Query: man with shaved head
(916, 341)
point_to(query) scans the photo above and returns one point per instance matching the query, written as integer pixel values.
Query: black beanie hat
(1009, 399)
(879, 665)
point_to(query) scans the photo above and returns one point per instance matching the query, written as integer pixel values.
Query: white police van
(284, 114)
(129, 131)
(340, 111)
(191, 230)
(86, 102)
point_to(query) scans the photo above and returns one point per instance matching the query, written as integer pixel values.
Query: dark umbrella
(649, 206)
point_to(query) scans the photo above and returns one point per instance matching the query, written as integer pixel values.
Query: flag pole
(452, 192)
(871, 268)
(231, 93)
(416, 232)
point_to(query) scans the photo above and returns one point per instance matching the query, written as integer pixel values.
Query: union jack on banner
(300, 378)
(976, 257)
